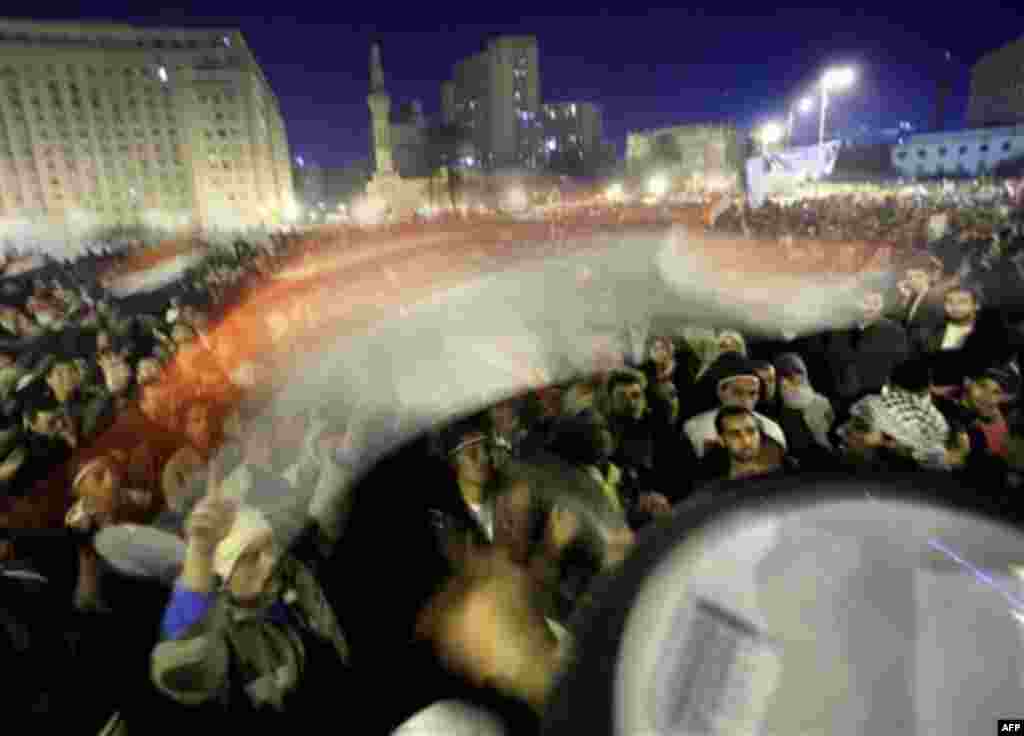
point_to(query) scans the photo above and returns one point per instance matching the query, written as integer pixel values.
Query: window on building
(1007, 146)
(922, 153)
(942, 150)
(963, 150)
(983, 148)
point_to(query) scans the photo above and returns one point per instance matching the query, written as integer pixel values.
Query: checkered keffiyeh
(911, 420)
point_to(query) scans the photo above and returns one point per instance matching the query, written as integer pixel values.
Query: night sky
(646, 67)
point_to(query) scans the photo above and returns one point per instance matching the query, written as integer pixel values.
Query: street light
(771, 133)
(658, 185)
(833, 80)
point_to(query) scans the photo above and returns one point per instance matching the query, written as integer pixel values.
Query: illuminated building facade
(494, 97)
(960, 153)
(118, 125)
(573, 137)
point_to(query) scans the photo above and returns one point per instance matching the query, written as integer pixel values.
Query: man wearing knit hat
(737, 385)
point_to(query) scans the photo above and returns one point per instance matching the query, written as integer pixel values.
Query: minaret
(380, 115)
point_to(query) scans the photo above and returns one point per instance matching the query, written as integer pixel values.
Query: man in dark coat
(969, 336)
(861, 358)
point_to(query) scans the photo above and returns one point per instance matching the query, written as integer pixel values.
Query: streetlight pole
(805, 105)
(832, 79)
(824, 106)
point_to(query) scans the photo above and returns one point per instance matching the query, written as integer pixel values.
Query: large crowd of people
(246, 565)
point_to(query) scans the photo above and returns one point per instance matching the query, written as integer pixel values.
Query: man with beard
(805, 415)
(968, 337)
(633, 437)
(920, 304)
(768, 403)
(741, 437)
(669, 363)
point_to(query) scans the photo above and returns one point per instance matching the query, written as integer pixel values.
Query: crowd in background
(284, 581)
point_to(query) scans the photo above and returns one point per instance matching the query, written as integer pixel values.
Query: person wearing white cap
(245, 617)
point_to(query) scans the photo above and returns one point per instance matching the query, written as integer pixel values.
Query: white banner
(777, 173)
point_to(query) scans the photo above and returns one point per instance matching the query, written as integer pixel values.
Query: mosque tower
(380, 113)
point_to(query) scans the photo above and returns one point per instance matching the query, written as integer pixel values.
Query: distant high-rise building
(114, 124)
(997, 88)
(495, 98)
(573, 137)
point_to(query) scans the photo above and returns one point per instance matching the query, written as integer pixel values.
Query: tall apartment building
(113, 124)
(573, 137)
(495, 97)
(997, 88)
